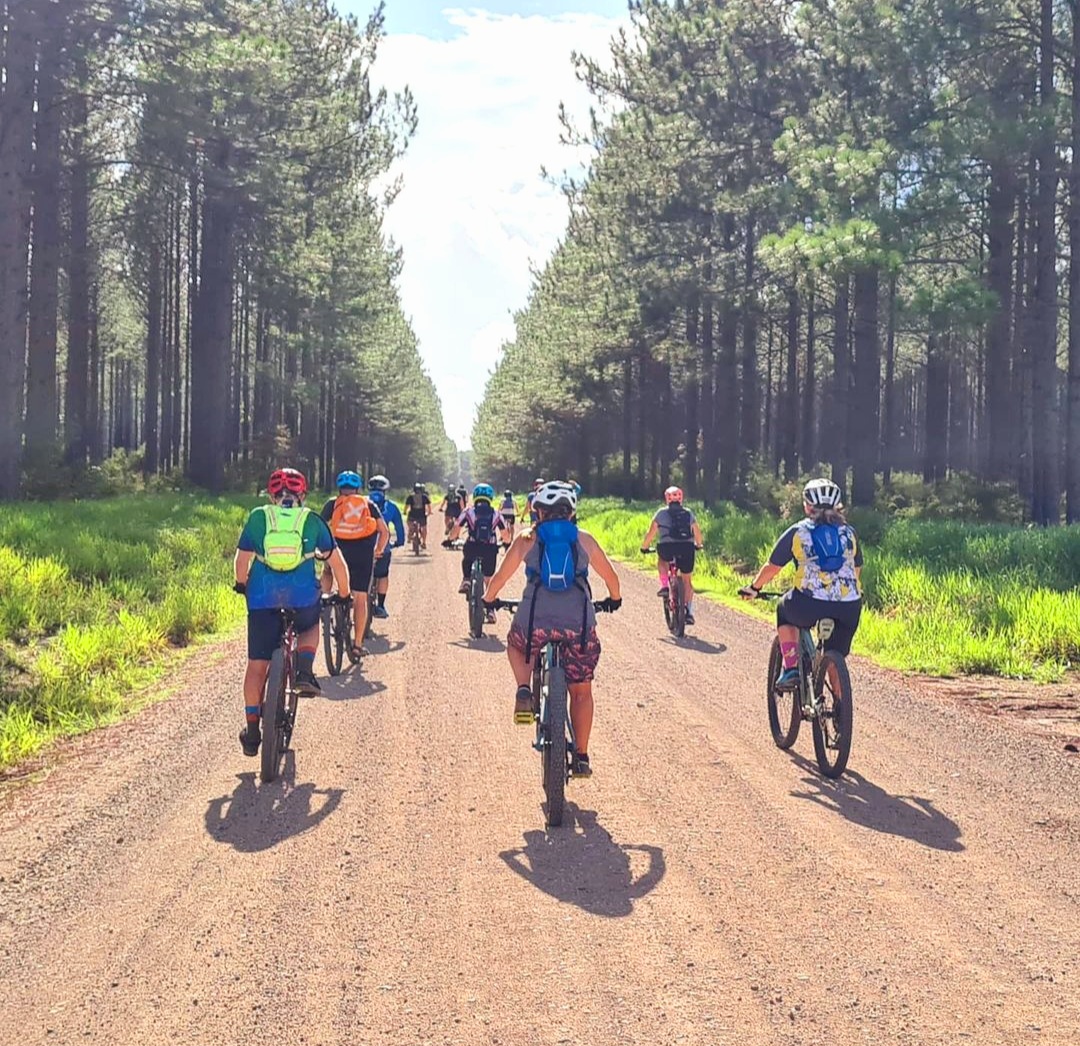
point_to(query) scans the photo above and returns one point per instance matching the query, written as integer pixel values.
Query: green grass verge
(93, 596)
(942, 597)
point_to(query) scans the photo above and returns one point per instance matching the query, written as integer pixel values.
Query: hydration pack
(558, 547)
(681, 528)
(283, 542)
(829, 546)
(483, 528)
(352, 519)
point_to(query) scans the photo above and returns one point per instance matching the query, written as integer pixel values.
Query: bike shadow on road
(257, 817)
(581, 864)
(382, 645)
(488, 644)
(865, 803)
(350, 685)
(693, 643)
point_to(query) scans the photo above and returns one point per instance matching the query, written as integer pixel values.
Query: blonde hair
(826, 514)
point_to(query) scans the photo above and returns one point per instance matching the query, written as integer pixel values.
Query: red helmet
(673, 494)
(286, 479)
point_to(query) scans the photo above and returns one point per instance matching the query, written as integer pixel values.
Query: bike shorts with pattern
(579, 664)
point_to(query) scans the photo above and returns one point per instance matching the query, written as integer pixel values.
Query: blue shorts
(265, 629)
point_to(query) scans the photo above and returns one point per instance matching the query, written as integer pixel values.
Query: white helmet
(378, 483)
(821, 493)
(556, 493)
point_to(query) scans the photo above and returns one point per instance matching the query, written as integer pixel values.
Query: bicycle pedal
(524, 718)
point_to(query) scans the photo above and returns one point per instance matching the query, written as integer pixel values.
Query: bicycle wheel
(331, 647)
(833, 723)
(415, 541)
(784, 712)
(345, 631)
(476, 595)
(678, 609)
(273, 717)
(372, 593)
(553, 752)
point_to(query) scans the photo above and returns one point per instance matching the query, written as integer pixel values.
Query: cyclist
(417, 510)
(828, 569)
(452, 506)
(557, 606)
(679, 538)
(483, 525)
(508, 511)
(274, 568)
(531, 496)
(379, 485)
(362, 536)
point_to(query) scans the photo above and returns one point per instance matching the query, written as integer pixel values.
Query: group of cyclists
(283, 543)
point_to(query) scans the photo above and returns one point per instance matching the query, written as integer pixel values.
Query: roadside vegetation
(943, 596)
(93, 595)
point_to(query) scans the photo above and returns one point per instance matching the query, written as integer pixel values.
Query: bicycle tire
(678, 611)
(345, 631)
(476, 595)
(783, 722)
(273, 712)
(331, 647)
(372, 594)
(833, 724)
(415, 539)
(554, 752)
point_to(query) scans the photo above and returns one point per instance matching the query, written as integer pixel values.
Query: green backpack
(283, 543)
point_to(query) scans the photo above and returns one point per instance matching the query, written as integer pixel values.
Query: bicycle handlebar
(599, 605)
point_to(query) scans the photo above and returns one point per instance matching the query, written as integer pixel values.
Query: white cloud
(474, 211)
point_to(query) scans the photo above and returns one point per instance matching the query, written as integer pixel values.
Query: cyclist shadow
(489, 644)
(381, 645)
(582, 864)
(866, 804)
(693, 643)
(351, 684)
(257, 817)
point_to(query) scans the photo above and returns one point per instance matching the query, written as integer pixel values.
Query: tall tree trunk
(808, 440)
(840, 392)
(789, 422)
(727, 385)
(710, 456)
(1001, 414)
(888, 428)
(77, 432)
(690, 466)
(867, 392)
(1047, 485)
(937, 408)
(627, 426)
(42, 409)
(1072, 456)
(154, 350)
(750, 418)
(1022, 325)
(15, 158)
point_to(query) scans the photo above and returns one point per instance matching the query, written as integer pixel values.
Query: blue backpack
(558, 547)
(829, 546)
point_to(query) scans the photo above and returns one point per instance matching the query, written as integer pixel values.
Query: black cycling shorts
(382, 568)
(418, 517)
(359, 558)
(803, 611)
(487, 554)
(265, 628)
(681, 553)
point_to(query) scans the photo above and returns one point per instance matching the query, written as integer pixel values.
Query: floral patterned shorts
(579, 664)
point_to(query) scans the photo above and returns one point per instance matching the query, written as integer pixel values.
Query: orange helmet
(673, 494)
(286, 479)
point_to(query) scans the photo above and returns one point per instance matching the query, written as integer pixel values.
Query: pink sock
(790, 652)
(665, 573)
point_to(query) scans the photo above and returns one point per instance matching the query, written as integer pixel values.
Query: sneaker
(306, 683)
(664, 592)
(689, 618)
(380, 612)
(463, 588)
(789, 679)
(250, 739)
(523, 706)
(580, 766)
(489, 617)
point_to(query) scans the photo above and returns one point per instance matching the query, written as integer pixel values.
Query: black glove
(609, 605)
(490, 604)
(646, 551)
(749, 592)
(699, 548)
(447, 544)
(240, 587)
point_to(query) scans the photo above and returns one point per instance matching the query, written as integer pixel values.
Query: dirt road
(399, 887)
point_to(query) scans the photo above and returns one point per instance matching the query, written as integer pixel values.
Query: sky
(474, 212)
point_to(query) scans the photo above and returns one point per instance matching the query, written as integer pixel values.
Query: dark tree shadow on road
(866, 804)
(580, 863)
(257, 817)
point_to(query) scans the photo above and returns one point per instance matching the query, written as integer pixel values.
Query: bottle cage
(825, 628)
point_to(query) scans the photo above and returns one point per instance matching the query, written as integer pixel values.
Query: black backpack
(681, 528)
(483, 532)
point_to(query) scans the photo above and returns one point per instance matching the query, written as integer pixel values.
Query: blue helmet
(349, 480)
(483, 490)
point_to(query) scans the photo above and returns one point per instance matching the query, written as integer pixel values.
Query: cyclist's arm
(782, 554)
(765, 575)
(382, 536)
(699, 538)
(427, 507)
(399, 528)
(647, 540)
(336, 562)
(455, 530)
(599, 562)
(513, 559)
(242, 565)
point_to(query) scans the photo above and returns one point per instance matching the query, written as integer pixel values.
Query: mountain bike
(414, 536)
(279, 700)
(551, 713)
(337, 629)
(372, 599)
(828, 705)
(475, 597)
(676, 602)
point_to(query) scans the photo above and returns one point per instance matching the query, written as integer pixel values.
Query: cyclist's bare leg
(360, 616)
(581, 714)
(326, 582)
(383, 586)
(521, 668)
(255, 682)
